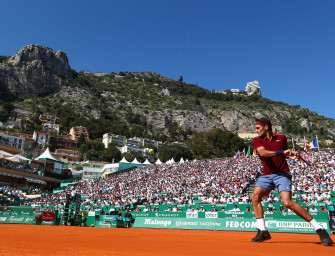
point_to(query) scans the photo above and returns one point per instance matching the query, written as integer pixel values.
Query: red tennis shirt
(273, 164)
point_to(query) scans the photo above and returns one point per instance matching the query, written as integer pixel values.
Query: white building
(48, 127)
(108, 138)
(252, 87)
(12, 140)
(41, 138)
(128, 148)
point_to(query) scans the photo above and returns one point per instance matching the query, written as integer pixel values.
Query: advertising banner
(20, 219)
(48, 216)
(287, 224)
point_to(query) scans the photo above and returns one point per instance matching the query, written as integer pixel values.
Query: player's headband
(261, 123)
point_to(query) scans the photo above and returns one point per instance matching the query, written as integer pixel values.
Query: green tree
(81, 140)
(8, 107)
(174, 151)
(215, 143)
(111, 153)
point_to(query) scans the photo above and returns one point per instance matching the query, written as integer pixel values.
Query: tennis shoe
(261, 236)
(324, 237)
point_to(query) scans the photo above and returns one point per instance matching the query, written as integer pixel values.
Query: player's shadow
(292, 242)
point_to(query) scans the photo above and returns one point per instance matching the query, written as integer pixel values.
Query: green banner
(275, 223)
(105, 224)
(20, 219)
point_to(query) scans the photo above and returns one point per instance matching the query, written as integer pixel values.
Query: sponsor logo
(271, 224)
(157, 222)
(13, 219)
(191, 215)
(242, 224)
(3, 218)
(300, 225)
(166, 214)
(213, 215)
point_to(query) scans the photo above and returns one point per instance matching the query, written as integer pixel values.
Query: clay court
(21, 239)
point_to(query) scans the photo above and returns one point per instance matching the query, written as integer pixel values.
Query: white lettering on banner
(210, 224)
(157, 222)
(191, 215)
(211, 215)
(189, 223)
(242, 224)
(16, 219)
(303, 225)
(165, 215)
(3, 218)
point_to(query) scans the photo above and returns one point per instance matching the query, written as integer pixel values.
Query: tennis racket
(305, 156)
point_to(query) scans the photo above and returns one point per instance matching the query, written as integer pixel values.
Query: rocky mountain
(36, 78)
(34, 71)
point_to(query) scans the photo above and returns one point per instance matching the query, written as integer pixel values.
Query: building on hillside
(135, 142)
(154, 143)
(49, 127)
(44, 118)
(14, 125)
(66, 155)
(76, 131)
(41, 138)
(99, 74)
(130, 148)
(108, 138)
(12, 140)
(122, 140)
(252, 87)
(64, 143)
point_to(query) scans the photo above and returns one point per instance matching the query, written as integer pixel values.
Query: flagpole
(316, 136)
(293, 144)
(304, 143)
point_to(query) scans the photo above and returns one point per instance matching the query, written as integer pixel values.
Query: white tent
(18, 159)
(50, 163)
(172, 161)
(46, 155)
(135, 161)
(158, 162)
(124, 161)
(181, 160)
(4, 154)
(147, 162)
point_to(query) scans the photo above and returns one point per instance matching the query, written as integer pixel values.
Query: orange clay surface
(16, 239)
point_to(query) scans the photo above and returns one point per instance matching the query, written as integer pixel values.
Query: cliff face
(34, 70)
(46, 80)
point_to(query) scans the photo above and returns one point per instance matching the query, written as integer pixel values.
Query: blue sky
(288, 46)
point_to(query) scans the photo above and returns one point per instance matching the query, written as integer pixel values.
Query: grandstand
(187, 195)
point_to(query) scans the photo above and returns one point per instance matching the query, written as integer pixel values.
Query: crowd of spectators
(222, 181)
(23, 167)
(11, 193)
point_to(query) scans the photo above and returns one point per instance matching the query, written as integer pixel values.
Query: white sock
(315, 224)
(261, 224)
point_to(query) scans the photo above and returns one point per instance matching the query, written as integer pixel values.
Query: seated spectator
(322, 209)
(248, 209)
(313, 209)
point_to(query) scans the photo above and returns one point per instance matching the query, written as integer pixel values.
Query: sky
(287, 45)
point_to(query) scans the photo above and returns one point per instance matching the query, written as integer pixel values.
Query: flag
(248, 153)
(314, 144)
(304, 144)
(237, 154)
(254, 152)
(243, 153)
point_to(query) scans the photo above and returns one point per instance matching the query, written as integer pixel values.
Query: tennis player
(272, 150)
